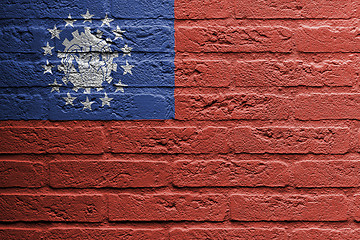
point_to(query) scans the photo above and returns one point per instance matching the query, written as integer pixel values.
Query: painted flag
(185, 119)
(87, 60)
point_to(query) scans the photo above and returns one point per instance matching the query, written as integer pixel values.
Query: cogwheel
(87, 61)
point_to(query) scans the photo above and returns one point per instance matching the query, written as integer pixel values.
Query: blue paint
(24, 88)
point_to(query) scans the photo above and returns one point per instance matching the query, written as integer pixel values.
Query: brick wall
(264, 144)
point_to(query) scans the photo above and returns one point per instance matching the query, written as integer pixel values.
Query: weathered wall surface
(264, 143)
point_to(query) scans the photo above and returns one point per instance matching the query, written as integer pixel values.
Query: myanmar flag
(193, 119)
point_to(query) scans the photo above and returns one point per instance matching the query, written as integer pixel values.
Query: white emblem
(87, 60)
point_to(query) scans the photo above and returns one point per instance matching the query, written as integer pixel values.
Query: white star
(55, 32)
(69, 21)
(118, 33)
(106, 21)
(106, 100)
(87, 104)
(69, 99)
(87, 16)
(55, 86)
(127, 68)
(47, 49)
(126, 50)
(47, 67)
(119, 86)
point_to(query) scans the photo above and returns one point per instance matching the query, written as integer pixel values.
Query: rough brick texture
(234, 173)
(167, 207)
(237, 233)
(263, 142)
(58, 208)
(320, 233)
(233, 39)
(318, 174)
(290, 73)
(289, 208)
(299, 9)
(290, 140)
(327, 106)
(51, 140)
(169, 140)
(22, 174)
(100, 174)
(228, 107)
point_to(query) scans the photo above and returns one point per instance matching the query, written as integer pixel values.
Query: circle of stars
(55, 34)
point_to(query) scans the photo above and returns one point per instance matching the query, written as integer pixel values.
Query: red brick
(106, 233)
(333, 140)
(234, 173)
(357, 207)
(168, 140)
(233, 39)
(326, 174)
(231, 106)
(264, 73)
(167, 207)
(51, 140)
(59, 208)
(22, 174)
(20, 233)
(318, 233)
(209, 73)
(288, 208)
(327, 39)
(99, 174)
(298, 9)
(202, 9)
(327, 106)
(228, 233)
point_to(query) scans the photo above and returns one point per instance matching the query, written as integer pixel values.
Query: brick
(168, 140)
(138, 9)
(20, 233)
(357, 207)
(202, 9)
(318, 233)
(205, 73)
(13, 72)
(106, 233)
(154, 73)
(50, 8)
(23, 37)
(124, 106)
(232, 39)
(264, 73)
(233, 173)
(231, 107)
(288, 208)
(149, 37)
(327, 39)
(326, 174)
(332, 140)
(228, 233)
(167, 207)
(59, 208)
(51, 140)
(327, 106)
(298, 9)
(22, 174)
(100, 174)
(22, 106)
(19, 37)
